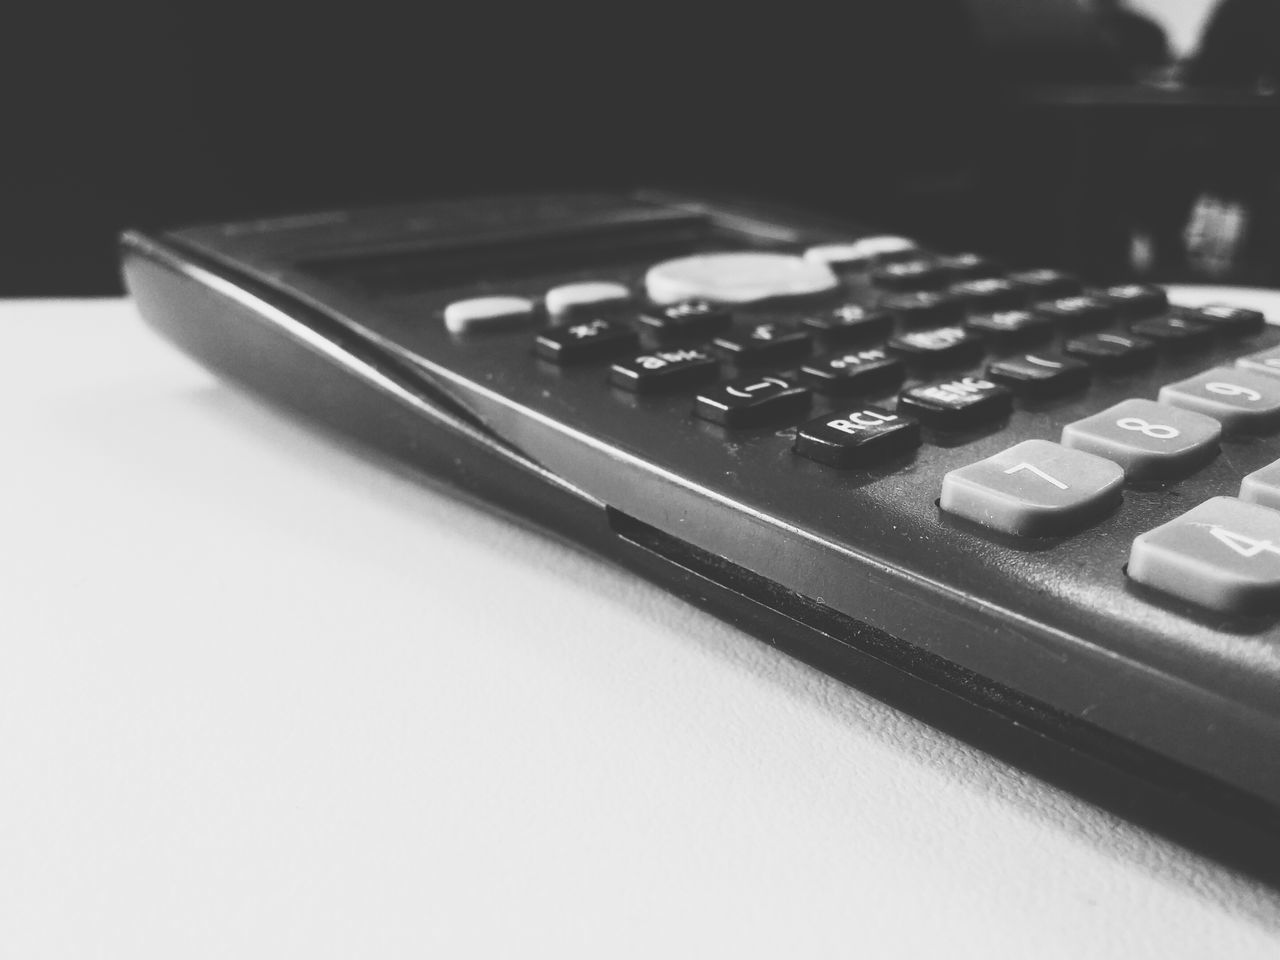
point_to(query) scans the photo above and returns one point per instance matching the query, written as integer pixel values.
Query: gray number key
(1263, 486)
(1241, 400)
(1034, 489)
(1223, 554)
(1150, 440)
(1264, 361)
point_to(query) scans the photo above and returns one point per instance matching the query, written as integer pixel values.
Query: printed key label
(862, 420)
(583, 331)
(656, 361)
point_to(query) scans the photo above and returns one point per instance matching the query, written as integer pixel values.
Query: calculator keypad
(884, 320)
(1034, 489)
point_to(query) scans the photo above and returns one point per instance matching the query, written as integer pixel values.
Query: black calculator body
(760, 410)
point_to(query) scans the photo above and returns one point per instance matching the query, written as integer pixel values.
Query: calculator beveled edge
(388, 406)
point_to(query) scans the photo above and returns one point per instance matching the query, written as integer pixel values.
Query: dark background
(903, 113)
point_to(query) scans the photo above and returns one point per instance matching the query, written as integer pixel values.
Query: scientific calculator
(1040, 514)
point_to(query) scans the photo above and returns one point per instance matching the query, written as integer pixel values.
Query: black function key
(857, 437)
(969, 266)
(763, 343)
(855, 373)
(1046, 284)
(956, 404)
(1138, 300)
(946, 346)
(1112, 352)
(1038, 375)
(752, 401)
(989, 293)
(1233, 321)
(687, 320)
(586, 341)
(1011, 328)
(848, 324)
(665, 370)
(1079, 312)
(924, 308)
(1174, 332)
(910, 275)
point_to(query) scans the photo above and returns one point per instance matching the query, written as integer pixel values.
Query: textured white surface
(261, 698)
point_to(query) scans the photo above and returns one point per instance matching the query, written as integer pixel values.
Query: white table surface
(260, 697)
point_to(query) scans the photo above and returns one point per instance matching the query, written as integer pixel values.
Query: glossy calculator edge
(391, 412)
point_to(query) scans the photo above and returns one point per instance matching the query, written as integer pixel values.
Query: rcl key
(857, 437)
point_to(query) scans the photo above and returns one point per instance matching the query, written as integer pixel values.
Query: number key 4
(1223, 554)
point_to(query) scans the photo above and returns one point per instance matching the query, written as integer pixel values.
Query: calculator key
(924, 308)
(854, 373)
(1112, 352)
(956, 404)
(1046, 284)
(1263, 486)
(738, 277)
(910, 275)
(763, 343)
(665, 370)
(861, 254)
(1138, 300)
(686, 320)
(1223, 554)
(751, 401)
(1264, 361)
(1004, 329)
(945, 346)
(969, 266)
(1038, 375)
(1233, 321)
(1034, 489)
(588, 340)
(1151, 441)
(479, 314)
(988, 293)
(848, 324)
(1241, 400)
(1079, 312)
(857, 436)
(569, 299)
(1174, 332)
